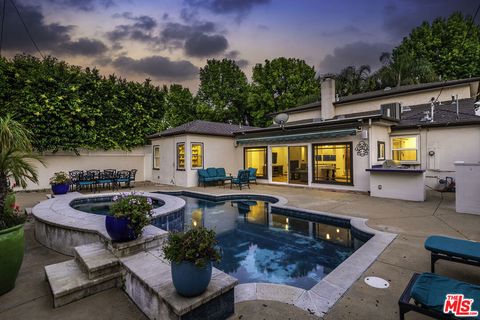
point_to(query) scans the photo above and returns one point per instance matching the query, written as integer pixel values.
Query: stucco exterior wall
(67, 161)
(217, 151)
(379, 133)
(408, 99)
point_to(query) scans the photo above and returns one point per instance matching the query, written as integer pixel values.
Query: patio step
(95, 260)
(69, 283)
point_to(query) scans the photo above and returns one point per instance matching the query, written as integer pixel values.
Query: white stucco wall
(378, 132)
(67, 161)
(218, 152)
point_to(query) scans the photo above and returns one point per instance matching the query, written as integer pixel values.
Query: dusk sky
(168, 41)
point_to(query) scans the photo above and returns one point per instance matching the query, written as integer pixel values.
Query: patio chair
(451, 249)
(122, 176)
(133, 173)
(253, 175)
(74, 178)
(107, 177)
(242, 179)
(88, 179)
(429, 290)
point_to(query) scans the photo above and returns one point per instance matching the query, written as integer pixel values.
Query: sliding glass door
(332, 163)
(290, 164)
(280, 164)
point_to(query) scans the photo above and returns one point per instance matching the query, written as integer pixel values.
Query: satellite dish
(281, 119)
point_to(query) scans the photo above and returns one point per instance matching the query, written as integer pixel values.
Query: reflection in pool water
(260, 246)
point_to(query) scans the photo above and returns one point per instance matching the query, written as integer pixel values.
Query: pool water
(259, 246)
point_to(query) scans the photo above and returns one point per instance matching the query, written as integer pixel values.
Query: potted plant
(191, 254)
(60, 183)
(16, 155)
(130, 213)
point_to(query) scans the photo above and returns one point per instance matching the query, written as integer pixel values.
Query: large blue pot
(190, 280)
(60, 188)
(119, 230)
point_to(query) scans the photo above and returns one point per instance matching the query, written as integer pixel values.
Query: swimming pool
(259, 245)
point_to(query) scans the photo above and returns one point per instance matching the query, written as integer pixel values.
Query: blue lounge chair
(451, 249)
(242, 179)
(253, 175)
(429, 290)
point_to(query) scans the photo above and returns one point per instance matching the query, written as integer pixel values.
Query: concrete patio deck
(412, 221)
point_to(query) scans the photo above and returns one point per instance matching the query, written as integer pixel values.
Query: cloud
(242, 63)
(346, 30)
(84, 46)
(84, 5)
(142, 29)
(158, 67)
(402, 17)
(240, 8)
(232, 54)
(356, 53)
(204, 45)
(178, 31)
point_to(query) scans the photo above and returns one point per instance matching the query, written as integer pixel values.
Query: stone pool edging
(60, 227)
(321, 297)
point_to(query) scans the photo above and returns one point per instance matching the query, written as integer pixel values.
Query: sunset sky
(168, 41)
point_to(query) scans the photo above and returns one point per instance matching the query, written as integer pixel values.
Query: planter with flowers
(129, 214)
(60, 183)
(191, 255)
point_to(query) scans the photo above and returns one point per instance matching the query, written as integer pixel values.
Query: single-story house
(338, 142)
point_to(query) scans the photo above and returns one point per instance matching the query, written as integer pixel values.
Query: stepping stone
(96, 260)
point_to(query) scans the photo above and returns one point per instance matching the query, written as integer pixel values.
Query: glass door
(280, 164)
(298, 164)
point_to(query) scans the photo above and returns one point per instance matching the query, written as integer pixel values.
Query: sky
(169, 41)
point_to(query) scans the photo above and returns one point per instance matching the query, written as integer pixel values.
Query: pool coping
(321, 297)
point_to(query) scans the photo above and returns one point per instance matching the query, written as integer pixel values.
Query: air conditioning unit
(391, 110)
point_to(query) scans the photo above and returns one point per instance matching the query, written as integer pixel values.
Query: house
(338, 142)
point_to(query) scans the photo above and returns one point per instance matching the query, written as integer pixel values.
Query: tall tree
(180, 106)
(451, 46)
(278, 85)
(352, 80)
(224, 88)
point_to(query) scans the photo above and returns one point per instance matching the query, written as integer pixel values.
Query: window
(197, 155)
(181, 156)
(156, 157)
(380, 150)
(405, 149)
(332, 163)
(256, 157)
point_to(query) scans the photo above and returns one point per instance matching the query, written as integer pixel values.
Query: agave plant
(17, 162)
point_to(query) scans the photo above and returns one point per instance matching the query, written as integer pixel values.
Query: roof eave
(436, 125)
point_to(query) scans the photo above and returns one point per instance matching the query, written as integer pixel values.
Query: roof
(383, 93)
(204, 128)
(445, 114)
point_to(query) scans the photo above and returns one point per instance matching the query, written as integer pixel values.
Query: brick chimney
(328, 98)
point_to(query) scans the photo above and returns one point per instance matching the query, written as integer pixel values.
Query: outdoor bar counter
(397, 183)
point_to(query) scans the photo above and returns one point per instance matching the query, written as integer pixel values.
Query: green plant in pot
(60, 183)
(17, 163)
(130, 213)
(191, 254)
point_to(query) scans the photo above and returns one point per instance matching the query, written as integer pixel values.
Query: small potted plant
(191, 254)
(60, 183)
(130, 213)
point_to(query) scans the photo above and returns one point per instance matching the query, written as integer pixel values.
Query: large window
(156, 157)
(332, 163)
(181, 156)
(256, 157)
(405, 149)
(197, 155)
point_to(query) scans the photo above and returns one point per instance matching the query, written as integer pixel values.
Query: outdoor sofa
(212, 176)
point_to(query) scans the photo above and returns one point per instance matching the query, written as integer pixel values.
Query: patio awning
(299, 136)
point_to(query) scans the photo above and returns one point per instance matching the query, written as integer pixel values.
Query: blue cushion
(431, 289)
(454, 247)
(122, 180)
(203, 173)
(209, 179)
(212, 172)
(253, 172)
(221, 172)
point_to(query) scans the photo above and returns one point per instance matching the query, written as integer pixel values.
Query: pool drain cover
(377, 282)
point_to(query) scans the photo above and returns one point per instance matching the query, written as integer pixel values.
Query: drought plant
(197, 246)
(59, 178)
(138, 210)
(16, 163)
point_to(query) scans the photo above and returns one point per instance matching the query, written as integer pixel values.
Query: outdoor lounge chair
(451, 249)
(429, 290)
(253, 175)
(242, 179)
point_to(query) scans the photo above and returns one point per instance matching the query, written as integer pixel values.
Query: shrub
(59, 178)
(138, 209)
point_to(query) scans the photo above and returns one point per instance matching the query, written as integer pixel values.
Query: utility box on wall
(467, 187)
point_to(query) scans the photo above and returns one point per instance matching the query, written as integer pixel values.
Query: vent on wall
(391, 110)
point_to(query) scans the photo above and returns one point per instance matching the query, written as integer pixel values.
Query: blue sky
(168, 41)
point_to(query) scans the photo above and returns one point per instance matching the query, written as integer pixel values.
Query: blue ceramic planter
(190, 280)
(118, 229)
(60, 188)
